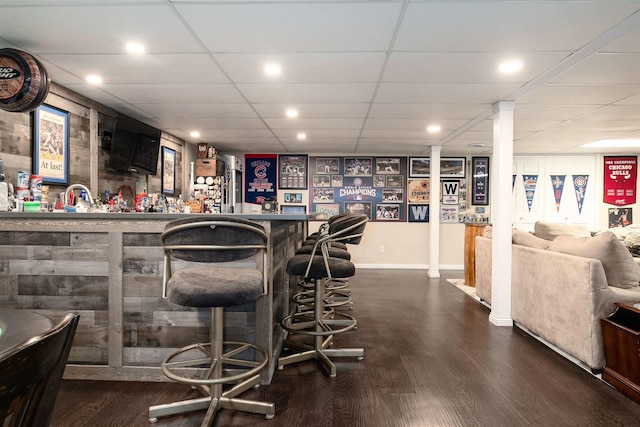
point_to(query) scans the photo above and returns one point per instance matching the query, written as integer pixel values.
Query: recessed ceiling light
(510, 66)
(292, 113)
(476, 145)
(434, 128)
(273, 69)
(302, 135)
(135, 48)
(613, 143)
(195, 134)
(94, 79)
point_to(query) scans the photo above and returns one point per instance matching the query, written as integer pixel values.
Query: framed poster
(293, 172)
(51, 145)
(419, 167)
(387, 165)
(168, 171)
(452, 167)
(357, 167)
(327, 165)
(480, 181)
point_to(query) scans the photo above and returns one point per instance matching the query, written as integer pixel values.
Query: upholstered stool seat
(199, 244)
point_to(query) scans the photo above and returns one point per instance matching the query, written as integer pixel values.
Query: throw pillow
(550, 230)
(522, 238)
(619, 267)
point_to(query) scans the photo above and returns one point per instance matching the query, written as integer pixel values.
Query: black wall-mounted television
(135, 146)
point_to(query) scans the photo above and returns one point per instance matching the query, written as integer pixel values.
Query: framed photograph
(448, 214)
(387, 212)
(386, 165)
(168, 171)
(336, 180)
(452, 167)
(293, 197)
(293, 209)
(321, 195)
(327, 166)
(480, 181)
(392, 195)
(379, 181)
(419, 167)
(395, 181)
(51, 145)
(357, 167)
(321, 181)
(362, 208)
(326, 211)
(293, 172)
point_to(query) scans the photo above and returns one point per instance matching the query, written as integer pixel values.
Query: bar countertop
(138, 216)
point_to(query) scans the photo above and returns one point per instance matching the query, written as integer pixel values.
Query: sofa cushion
(619, 267)
(550, 230)
(523, 238)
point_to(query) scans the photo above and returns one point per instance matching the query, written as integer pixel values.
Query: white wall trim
(408, 266)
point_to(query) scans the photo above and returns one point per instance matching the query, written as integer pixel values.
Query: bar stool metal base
(243, 373)
(322, 329)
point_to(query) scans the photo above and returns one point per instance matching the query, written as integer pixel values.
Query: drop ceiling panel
(143, 69)
(293, 27)
(307, 93)
(176, 93)
(314, 111)
(604, 68)
(550, 112)
(580, 94)
(313, 124)
(104, 29)
(317, 133)
(507, 26)
(446, 93)
(615, 112)
(465, 67)
(426, 111)
(304, 67)
(410, 124)
(213, 111)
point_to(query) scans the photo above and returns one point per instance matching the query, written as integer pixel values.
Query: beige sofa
(561, 297)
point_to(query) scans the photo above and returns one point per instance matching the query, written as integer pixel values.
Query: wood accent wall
(86, 157)
(110, 271)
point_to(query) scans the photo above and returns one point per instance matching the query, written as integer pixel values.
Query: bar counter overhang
(108, 267)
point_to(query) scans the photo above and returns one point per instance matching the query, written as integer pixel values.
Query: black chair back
(220, 239)
(31, 373)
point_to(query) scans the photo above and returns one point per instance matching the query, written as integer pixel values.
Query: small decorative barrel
(24, 83)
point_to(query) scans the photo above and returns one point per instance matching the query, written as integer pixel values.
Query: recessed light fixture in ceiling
(94, 79)
(434, 128)
(195, 134)
(510, 66)
(135, 48)
(292, 113)
(273, 69)
(476, 145)
(613, 143)
(302, 136)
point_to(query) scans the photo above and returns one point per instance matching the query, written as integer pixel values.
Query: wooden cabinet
(621, 336)
(471, 230)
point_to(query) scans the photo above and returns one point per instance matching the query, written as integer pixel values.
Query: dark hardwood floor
(432, 359)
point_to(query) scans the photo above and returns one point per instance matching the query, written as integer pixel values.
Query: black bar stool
(323, 323)
(210, 366)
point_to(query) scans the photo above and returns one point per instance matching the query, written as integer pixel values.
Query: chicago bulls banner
(620, 180)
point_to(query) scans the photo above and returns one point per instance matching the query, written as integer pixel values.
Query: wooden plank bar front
(108, 267)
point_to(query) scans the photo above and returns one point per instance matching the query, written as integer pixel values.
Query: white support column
(434, 213)
(501, 205)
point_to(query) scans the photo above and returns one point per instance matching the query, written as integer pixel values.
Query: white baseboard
(408, 266)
